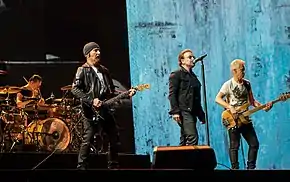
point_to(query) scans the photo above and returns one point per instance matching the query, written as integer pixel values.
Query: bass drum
(51, 133)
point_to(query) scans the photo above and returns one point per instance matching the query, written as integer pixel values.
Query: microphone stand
(205, 103)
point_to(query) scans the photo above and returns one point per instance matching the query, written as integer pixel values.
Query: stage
(139, 174)
(59, 161)
(20, 167)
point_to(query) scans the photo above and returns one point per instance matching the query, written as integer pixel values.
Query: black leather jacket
(86, 87)
(184, 93)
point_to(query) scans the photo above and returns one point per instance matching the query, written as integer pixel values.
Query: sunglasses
(190, 57)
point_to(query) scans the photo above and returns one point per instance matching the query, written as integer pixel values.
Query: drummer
(30, 92)
(30, 99)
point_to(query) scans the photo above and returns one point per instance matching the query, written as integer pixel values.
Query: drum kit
(48, 127)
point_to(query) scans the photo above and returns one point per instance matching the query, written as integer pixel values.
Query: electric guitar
(109, 102)
(242, 117)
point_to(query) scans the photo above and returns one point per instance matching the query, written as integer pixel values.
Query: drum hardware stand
(7, 98)
(73, 127)
(36, 134)
(64, 95)
(66, 104)
(23, 131)
(15, 140)
(3, 133)
(8, 130)
(3, 139)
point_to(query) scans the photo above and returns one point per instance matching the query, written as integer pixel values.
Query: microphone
(52, 95)
(55, 135)
(199, 58)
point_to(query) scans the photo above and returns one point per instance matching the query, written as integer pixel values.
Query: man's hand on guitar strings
(132, 92)
(234, 112)
(97, 103)
(269, 105)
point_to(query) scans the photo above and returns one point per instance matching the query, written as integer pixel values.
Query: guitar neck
(117, 98)
(125, 94)
(249, 112)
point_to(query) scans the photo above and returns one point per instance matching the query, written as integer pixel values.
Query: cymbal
(68, 87)
(9, 90)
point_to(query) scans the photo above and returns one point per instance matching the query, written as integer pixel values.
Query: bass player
(238, 92)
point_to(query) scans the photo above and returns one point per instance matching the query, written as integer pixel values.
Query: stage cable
(224, 166)
(41, 162)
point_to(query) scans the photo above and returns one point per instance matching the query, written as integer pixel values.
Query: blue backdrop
(257, 31)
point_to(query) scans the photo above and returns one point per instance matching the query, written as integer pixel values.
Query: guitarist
(93, 84)
(238, 92)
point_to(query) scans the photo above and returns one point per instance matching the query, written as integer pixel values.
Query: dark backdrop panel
(54, 76)
(21, 32)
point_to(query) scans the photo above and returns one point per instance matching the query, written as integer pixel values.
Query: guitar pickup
(225, 122)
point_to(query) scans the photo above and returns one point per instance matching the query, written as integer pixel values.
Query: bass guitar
(242, 117)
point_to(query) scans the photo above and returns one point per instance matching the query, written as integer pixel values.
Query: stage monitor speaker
(184, 157)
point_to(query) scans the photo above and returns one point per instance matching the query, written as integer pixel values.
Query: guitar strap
(247, 85)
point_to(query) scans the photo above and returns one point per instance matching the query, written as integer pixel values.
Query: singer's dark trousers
(90, 128)
(188, 130)
(248, 132)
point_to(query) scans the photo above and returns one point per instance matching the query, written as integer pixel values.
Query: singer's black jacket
(184, 93)
(86, 87)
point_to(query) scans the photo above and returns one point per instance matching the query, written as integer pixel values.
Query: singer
(92, 85)
(185, 98)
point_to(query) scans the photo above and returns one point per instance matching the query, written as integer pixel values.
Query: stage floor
(33, 160)
(140, 174)
(62, 167)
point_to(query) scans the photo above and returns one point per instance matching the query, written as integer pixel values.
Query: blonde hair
(237, 63)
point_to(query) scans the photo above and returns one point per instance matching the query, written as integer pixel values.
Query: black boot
(81, 166)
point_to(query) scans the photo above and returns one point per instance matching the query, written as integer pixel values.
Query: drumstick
(25, 79)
